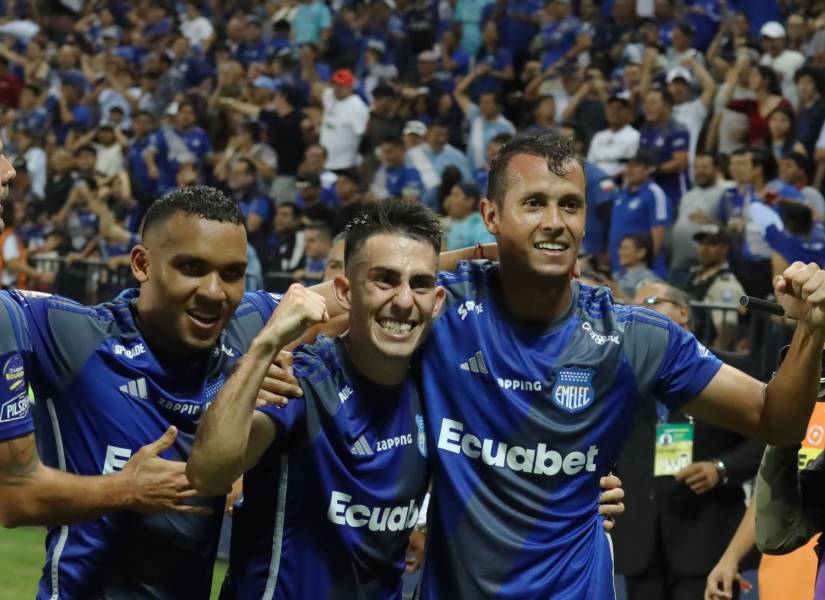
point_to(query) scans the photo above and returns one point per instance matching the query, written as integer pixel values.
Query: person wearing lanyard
(682, 483)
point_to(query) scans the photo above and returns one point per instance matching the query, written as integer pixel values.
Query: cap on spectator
(390, 4)
(343, 77)
(265, 83)
(305, 180)
(644, 157)
(710, 232)
(622, 95)
(428, 56)
(172, 109)
(382, 90)
(679, 73)
(415, 128)
(772, 29)
(377, 45)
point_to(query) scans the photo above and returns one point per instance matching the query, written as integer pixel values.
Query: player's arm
(778, 412)
(33, 494)
(231, 436)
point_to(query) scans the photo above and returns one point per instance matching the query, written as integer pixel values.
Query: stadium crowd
(702, 123)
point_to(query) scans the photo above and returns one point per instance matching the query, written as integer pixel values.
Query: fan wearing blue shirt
(795, 237)
(641, 208)
(394, 178)
(669, 142)
(562, 37)
(513, 512)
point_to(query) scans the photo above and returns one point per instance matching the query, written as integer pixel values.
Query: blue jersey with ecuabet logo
(521, 426)
(15, 416)
(327, 512)
(102, 395)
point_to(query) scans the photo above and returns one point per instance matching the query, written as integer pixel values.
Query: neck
(538, 303)
(173, 356)
(375, 367)
(708, 268)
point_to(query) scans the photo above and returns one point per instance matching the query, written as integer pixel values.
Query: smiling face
(393, 296)
(539, 224)
(191, 272)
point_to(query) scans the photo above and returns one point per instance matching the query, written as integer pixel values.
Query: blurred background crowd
(701, 121)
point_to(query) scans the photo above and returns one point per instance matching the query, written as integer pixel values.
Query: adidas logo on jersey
(361, 447)
(539, 460)
(389, 518)
(476, 364)
(135, 388)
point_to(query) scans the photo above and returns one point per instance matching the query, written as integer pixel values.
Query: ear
(139, 262)
(343, 291)
(490, 214)
(440, 297)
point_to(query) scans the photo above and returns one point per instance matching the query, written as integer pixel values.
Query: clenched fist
(298, 310)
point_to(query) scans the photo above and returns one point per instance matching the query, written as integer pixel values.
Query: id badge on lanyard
(674, 445)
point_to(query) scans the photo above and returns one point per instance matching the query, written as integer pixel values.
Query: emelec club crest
(573, 390)
(421, 438)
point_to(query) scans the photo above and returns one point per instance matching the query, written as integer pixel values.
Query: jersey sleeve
(679, 141)
(15, 417)
(686, 369)
(658, 206)
(289, 421)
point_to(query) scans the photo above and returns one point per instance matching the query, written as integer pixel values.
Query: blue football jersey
(522, 424)
(102, 395)
(328, 511)
(15, 417)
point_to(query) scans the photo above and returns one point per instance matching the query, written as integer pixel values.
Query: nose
(212, 288)
(551, 218)
(7, 172)
(404, 297)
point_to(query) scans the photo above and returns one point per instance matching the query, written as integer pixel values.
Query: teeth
(203, 317)
(551, 246)
(396, 327)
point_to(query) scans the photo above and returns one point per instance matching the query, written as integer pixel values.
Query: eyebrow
(545, 196)
(191, 257)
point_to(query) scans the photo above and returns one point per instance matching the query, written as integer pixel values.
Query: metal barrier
(87, 281)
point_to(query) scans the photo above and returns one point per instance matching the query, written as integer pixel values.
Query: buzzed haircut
(392, 216)
(322, 229)
(198, 200)
(550, 146)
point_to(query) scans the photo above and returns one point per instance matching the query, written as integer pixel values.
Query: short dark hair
(766, 161)
(802, 161)
(297, 213)
(686, 28)
(321, 228)
(667, 98)
(86, 149)
(411, 220)
(198, 200)
(707, 154)
(798, 218)
(642, 242)
(558, 153)
(249, 165)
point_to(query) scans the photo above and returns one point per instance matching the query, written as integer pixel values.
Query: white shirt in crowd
(10, 252)
(610, 150)
(698, 199)
(36, 167)
(785, 65)
(692, 115)
(197, 30)
(109, 159)
(732, 124)
(343, 124)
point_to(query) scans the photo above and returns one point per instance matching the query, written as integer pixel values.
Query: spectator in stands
(431, 158)
(611, 148)
(350, 199)
(15, 271)
(415, 134)
(669, 142)
(393, 178)
(793, 237)
(108, 144)
(10, 86)
(384, 124)
(481, 174)
(712, 281)
(494, 64)
(144, 186)
(286, 247)
(312, 22)
(795, 170)
(691, 113)
(562, 36)
(811, 114)
(247, 190)
(465, 227)
(699, 207)
(763, 82)
(778, 57)
(344, 121)
(681, 48)
(315, 157)
(635, 252)
(248, 143)
(184, 142)
(317, 245)
(484, 119)
(67, 111)
(641, 209)
(27, 143)
(585, 106)
(782, 132)
(314, 201)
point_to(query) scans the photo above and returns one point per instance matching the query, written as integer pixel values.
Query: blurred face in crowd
(392, 154)
(631, 255)
(741, 26)
(239, 177)
(286, 219)
(773, 46)
(85, 161)
(559, 10)
(311, 194)
(741, 168)
(346, 189)
(665, 304)
(315, 157)
(191, 272)
(488, 106)
(796, 28)
(235, 29)
(681, 42)
(492, 149)
(545, 112)
(185, 117)
(391, 290)
(704, 171)
(438, 136)
(755, 81)
(679, 89)
(636, 173)
(66, 57)
(27, 98)
(316, 244)
(458, 205)
(335, 261)
(710, 253)
(623, 10)
(791, 172)
(617, 114)
(62, 161)
(7, 174)
(663, 10)
(142, 125)
(106, 136)
(341, 91)
(631, 75)
(425, 68)
(779, 125)
(655, 108)
(539, 224)
(807, 89)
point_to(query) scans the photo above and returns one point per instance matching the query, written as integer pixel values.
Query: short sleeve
(658, 206)
(15, 417)
(679, 141)
(472, 112)
(262, 207)
(686, 369)
(289, 420)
